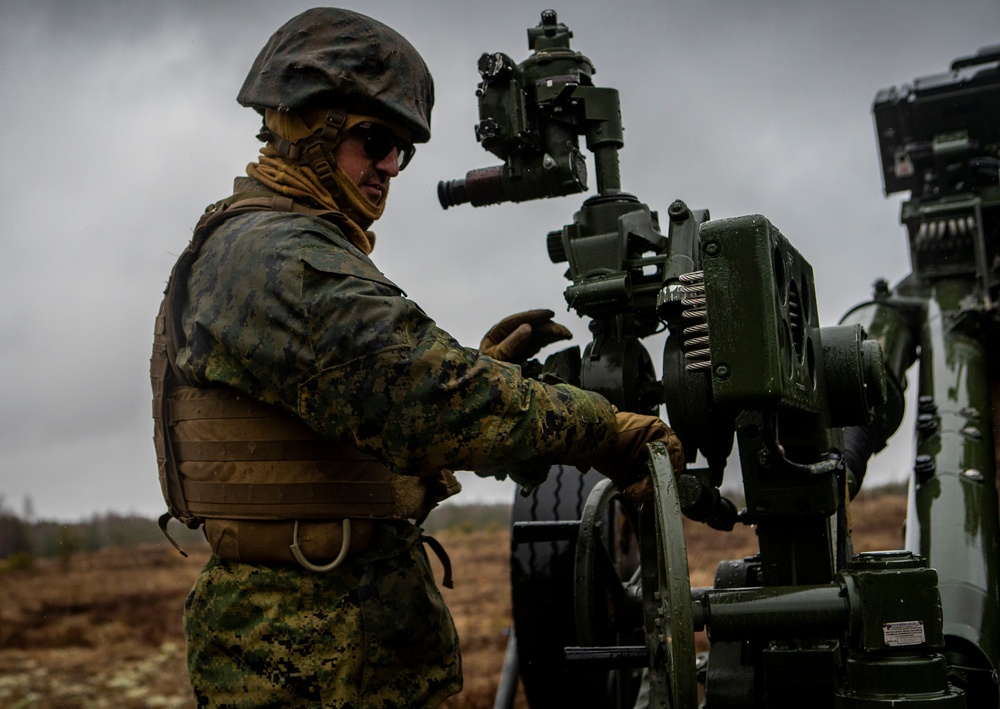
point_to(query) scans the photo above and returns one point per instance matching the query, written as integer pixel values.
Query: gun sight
(531, 116)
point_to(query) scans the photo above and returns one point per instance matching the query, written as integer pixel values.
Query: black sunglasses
(379, 142)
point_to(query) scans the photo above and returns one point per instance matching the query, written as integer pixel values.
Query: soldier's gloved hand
(626, 461)
(519, 337)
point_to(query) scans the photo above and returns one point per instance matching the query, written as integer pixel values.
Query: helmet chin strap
(315, 153)
(316, 150)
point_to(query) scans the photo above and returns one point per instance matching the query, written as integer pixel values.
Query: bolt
(924, 467)
(678, 211)
(974, 475)
(972, 432)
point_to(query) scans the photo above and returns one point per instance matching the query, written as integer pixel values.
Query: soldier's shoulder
(322, 245)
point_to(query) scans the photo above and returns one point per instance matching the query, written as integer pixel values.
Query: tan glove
(519, 337)
(625, 462)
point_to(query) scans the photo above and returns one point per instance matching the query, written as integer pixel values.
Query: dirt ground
(104, 629)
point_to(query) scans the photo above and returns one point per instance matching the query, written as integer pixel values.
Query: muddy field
(104, 629)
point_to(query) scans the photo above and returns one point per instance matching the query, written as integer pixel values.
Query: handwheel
(666, 590)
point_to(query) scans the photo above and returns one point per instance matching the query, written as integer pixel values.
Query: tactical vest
(253, 471)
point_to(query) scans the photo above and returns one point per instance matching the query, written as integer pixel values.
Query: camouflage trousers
(372, 633)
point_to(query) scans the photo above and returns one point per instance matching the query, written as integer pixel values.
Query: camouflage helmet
(328, 57)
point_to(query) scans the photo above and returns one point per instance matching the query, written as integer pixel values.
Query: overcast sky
(121, 125)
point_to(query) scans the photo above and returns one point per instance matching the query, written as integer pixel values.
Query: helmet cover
(332, 58)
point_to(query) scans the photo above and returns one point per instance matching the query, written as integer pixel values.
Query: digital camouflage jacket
(282, 307)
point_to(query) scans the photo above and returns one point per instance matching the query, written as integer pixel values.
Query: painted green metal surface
(747, 361)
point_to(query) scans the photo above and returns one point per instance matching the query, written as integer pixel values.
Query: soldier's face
(370, 175)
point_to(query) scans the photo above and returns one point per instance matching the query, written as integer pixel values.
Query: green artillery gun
(939, 140)
(604, 614)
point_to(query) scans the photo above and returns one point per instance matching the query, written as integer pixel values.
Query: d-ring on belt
(430, 541)
(306, 564)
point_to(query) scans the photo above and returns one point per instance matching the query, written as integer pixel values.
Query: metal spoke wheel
(607, 590)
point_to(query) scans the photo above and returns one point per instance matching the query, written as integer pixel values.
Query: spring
(695, 334)
(796, 319)
(934, 233)
(794, 309)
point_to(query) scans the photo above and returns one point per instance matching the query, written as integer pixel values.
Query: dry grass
(105, 630)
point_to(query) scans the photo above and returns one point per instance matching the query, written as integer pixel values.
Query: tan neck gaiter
(282, 175)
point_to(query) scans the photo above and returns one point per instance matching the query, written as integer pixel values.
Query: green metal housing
(747, 361)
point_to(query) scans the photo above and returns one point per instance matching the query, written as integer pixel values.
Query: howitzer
(604, 614)
(939, 140)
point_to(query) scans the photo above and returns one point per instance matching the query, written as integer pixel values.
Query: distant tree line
(20, 537)
(23, 536)
(13, 533)
(470, 517)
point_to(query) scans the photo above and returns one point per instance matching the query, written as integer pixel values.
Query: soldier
(308, 414)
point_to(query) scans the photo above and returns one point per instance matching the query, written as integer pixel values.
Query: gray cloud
(121, 125)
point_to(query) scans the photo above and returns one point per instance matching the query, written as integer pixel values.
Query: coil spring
(931, 233)
(694, 336)
(796, 318)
